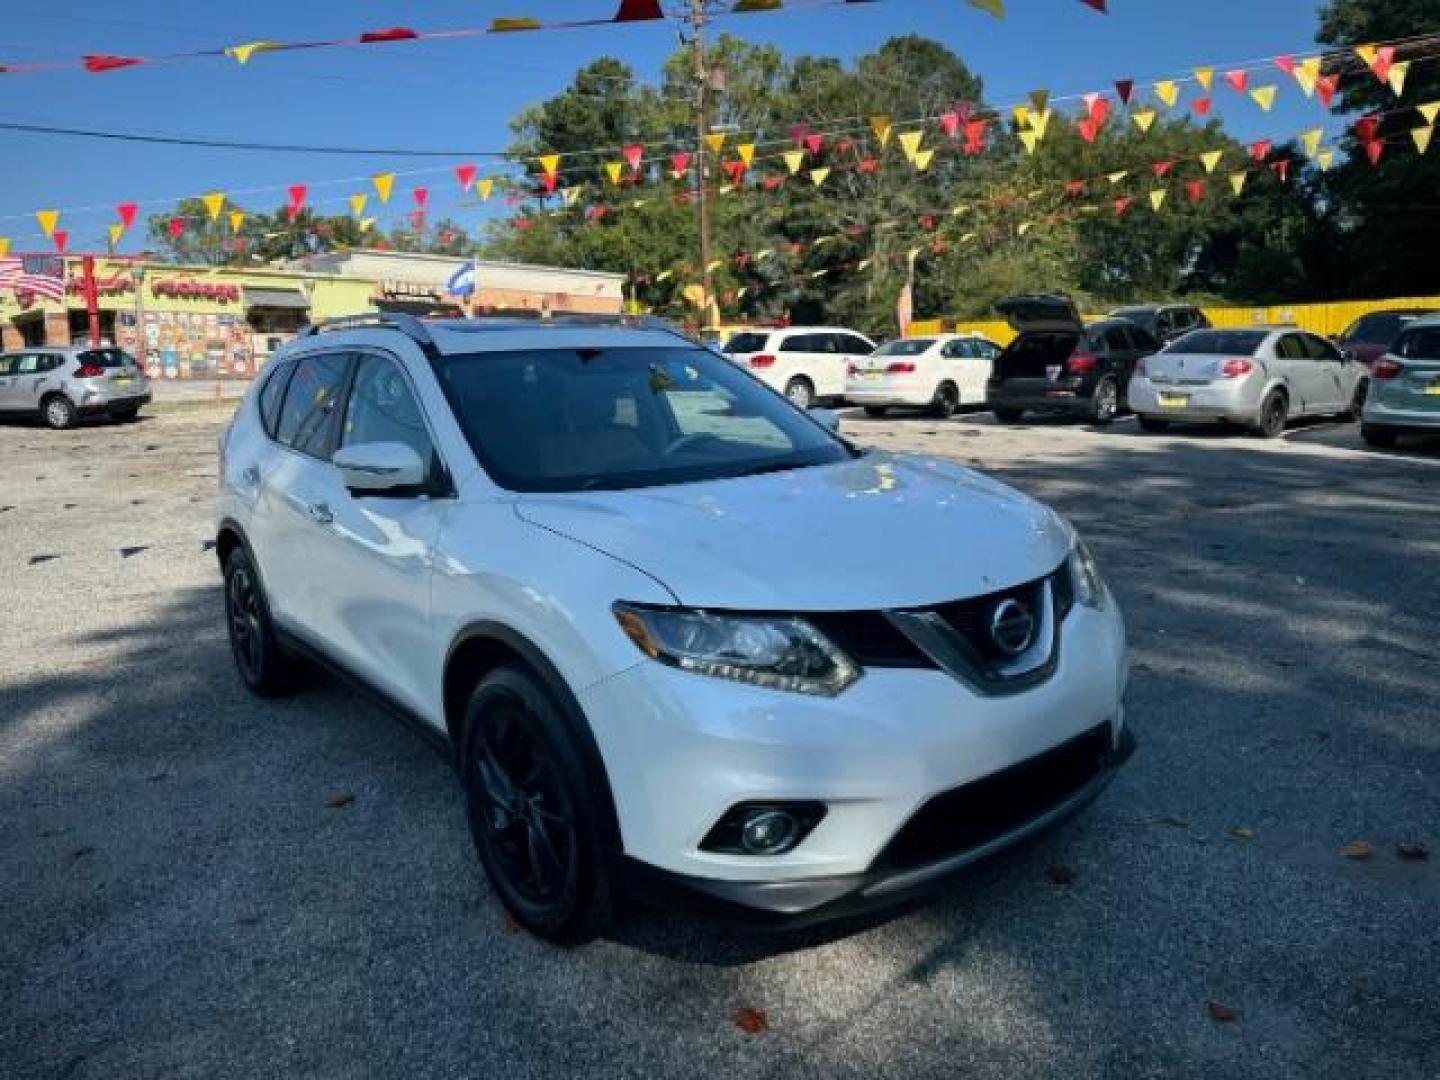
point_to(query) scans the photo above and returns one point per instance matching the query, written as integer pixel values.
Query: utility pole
(697, 19)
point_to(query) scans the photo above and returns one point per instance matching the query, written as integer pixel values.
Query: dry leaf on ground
(1357, 849)
(1221, 1013)
(340, 800)
(751, 1021)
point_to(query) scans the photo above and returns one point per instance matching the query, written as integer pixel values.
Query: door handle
(319, 512)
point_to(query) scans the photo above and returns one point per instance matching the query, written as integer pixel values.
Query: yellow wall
(1328, 319)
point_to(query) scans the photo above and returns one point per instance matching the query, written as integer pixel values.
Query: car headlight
(1089, 586)
(781, 652)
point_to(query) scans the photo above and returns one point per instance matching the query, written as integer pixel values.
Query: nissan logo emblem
(1012, 627)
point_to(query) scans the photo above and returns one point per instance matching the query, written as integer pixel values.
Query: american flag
(39, 275)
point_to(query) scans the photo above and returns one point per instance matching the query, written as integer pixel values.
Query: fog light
(763, 828)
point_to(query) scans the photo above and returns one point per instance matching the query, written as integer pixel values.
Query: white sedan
(939, 373)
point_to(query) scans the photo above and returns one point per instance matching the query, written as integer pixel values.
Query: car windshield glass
(904, 347)
(1139, 316)
(105, 358)
(590, 419)
(746, 343)
(1377, 329)
(1419, 344)
(1229, 342)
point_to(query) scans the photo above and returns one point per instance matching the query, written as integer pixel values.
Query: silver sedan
(1259, 377)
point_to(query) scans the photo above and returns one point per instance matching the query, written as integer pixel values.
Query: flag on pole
(39, 275)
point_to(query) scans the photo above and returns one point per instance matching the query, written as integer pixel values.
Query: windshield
(1216, 342)
(589, 419)
(904, 347)
(1377, 329)
(746, 343)
(1422, 343)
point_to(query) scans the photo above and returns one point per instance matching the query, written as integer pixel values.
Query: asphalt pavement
(199, 884)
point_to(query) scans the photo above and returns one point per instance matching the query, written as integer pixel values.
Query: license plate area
(1174, 401)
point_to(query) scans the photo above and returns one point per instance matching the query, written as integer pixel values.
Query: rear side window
(1421, 344)
(1320, 349)
(105, 358)
(1217, 342)
(746, 343)
(801, 343)
(272, 394)
(30, 364)
(851, 343)
(1292, 347)
(308, 416)
(907, 347)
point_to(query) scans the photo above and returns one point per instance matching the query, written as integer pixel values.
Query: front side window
(30, 364)
(858, 346)
(905, 347)
(801, 343)
(1422, 343)
(383, 409)
(587, 419)
(307, 418)
(1292, 347)
(272, 394)
(746, 343)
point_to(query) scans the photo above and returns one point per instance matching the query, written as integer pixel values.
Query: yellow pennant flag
(922, 159)
(242, 53)
(1116, 177)
(549, 164)
(614, 170)
(910, 143)
(485, 187)
(1396, 78)
(1210, 159)
(1311, 140)
(1325, 159)
(116, 232)
(1429, 111)
(1237, 181)
(571, 194)
(1021, 113)
(1307, 74)
(881, 127)
(357, 204)
(1144, 118)
(715, 140)
(237, 218)
(383, 182)
(1264, 96)
(1157, 198)
(1039, 122)
(214, 203)
(48, 219)
(4, 246)
(1024, 227)
(1422, 137)
(1029, 138)
(994, 7)
(1367, 53)
(817, 176)
(1040, 99)
(746, 152)
(793, 160)
(366, 224)
(1168, 92)
(1205, 76)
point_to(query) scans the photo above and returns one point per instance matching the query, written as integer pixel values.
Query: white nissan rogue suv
(655, 614)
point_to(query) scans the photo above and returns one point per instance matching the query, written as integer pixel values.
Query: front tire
(58, 412)
(264, 666)
(533, 815)
(1381, 438)
(801, 392)
(1273, 412)
(946, 402)
(1105, 402)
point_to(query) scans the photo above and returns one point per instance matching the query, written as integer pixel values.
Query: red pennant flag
(1098, 5)
(1201, 105)
(1238, 79)
(1122, 204)
(798, 133)
(61, 238)
(736, 171)
(596, 212)
(975, 136)
(1100, 110)
(964, 110)
(844, 146)
(1373, 150)
(1161, 169)
(394, 33)
(465, 174)
(680, 162)
(1196, 190)
(422, 196)
(770, 183)
(638, 11)
(102, 62)
(548, 182)
(127, 212)
(1088, 129)
(297, 196)
(1124, 88)
(950, 121)
(814, 141)
(523, 223)
(176, 225)
(1074, 188)
(867, 165)
(634, 154)
(1285, 64)
(1367, 128)
(1384, 60)
(1260, 150)
(1282, 168)
(1326, 87)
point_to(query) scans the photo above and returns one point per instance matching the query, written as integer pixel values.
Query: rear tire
(1154, 424)
(264, 666)
(946, 401)
(1357, 403)
(58, 412)
(1381, 438)
(1105, 402)
(801, 392)
(1007, 415)
(533, 815)
(1273, 412)
(876, 411)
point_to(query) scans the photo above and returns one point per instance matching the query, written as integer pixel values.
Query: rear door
(32, 374)
(1292, 357)
(7, 383)
(1335, 376)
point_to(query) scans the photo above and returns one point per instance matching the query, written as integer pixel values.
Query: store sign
(408, 290)
(111, 286)
(189, 289)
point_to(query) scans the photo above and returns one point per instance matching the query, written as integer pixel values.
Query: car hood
(880, 531)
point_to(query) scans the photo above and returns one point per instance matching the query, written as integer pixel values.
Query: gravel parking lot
(198, 884)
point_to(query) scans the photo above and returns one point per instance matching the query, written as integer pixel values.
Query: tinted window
(272, 394)
(1142, 340)
(7, 365)
(746, 343)
(800, 343)
(106, 358)
(985, 349)
(1419, 344)
(1116, 339)
(1292, 347)
(1320, 349)
(958, 349)
(51, 362)
(856, 345)
(383, 409)
(307, 419)
(29, 364)
(571, 420)
(907, 347)
(1379, 328)
(1217, 342)
(1139, 316)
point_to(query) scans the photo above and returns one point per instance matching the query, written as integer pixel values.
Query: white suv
(805, 363)
(645, 604)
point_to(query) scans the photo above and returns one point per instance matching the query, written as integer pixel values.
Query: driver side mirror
(1347, 354)
(829, 419)
(380, 468)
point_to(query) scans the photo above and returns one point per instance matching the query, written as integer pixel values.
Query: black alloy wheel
(264, 666)
(1273, 411)
(946, 402)
(1105, 402)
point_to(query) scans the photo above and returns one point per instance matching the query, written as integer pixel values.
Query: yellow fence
(1328, 319)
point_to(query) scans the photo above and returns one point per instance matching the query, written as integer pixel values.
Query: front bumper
(682, 749)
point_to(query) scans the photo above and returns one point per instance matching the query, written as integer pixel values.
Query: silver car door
(7, 383)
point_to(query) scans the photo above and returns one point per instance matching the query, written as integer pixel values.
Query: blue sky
(462, 93)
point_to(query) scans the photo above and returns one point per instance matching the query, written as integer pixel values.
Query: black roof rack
(409, 325)
(418, 330)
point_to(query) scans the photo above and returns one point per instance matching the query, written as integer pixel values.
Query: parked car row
(62, 384)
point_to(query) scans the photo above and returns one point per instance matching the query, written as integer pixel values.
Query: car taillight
(1385, 368)
(1234, 369)
(1079, 363)
(763, 360)
(851, 369)
(89, 371)
(900, 367)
